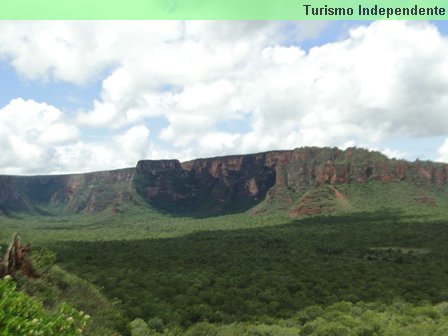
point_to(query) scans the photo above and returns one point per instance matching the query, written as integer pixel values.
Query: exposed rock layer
(220, 184)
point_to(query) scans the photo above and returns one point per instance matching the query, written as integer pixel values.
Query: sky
(79, 96)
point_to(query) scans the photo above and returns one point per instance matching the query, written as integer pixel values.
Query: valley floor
(258, 275)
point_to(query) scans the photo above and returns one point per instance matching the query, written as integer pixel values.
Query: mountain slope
(304, 181)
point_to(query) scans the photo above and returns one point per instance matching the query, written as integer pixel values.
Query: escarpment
(303, 181)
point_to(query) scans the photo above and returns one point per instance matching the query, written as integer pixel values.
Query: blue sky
(85, 96)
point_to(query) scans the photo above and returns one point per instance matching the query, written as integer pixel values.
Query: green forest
(371, 273)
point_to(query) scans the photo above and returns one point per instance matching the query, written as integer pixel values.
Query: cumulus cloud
(28, 130)
(120, 151)
(374, 84)
(442, 151)
(36, 138)
(385, 79)
(135, 143)
(76, 51)
(381, 80)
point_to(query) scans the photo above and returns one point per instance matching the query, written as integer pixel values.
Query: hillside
(300, 182)
(44, 299)
(313, 241)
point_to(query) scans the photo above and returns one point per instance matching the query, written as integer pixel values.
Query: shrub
(22, 315)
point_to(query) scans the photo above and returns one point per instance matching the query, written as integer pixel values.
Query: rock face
(212, 185)
(64, 193)
(304, 181)
(233, 183)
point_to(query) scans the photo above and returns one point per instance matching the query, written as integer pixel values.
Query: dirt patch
(339, 195)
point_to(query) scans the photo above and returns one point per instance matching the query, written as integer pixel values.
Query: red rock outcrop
(219, 184)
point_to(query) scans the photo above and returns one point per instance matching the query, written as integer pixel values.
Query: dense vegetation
(339, 319)
(263, 274)
(371, 273)
(22, 315)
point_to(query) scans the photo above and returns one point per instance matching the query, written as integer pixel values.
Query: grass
(130, 223)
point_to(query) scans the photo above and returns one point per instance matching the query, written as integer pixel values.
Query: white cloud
(58, 133)
(442, 151)
(28, 129)
(121, 151)
(384, 79)
(194, 112)
(76, 51)
(216, 143)
(134, 144)
(35, 138)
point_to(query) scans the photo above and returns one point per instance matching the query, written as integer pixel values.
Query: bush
(22, 315)
(139, 328)
(202, 329)
(43, 259)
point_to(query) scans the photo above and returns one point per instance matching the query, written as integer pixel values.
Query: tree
(139, 328)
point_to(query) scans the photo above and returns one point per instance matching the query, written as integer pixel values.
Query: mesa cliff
(303, 181)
